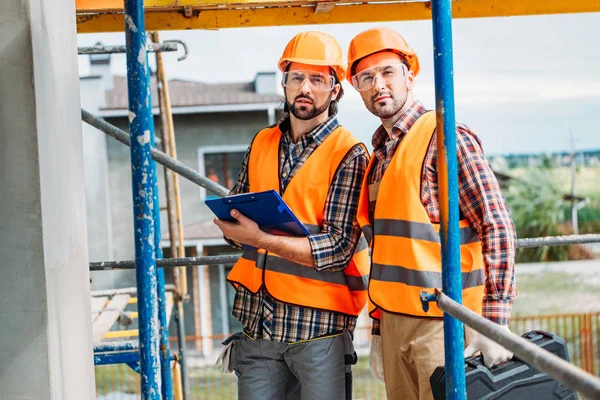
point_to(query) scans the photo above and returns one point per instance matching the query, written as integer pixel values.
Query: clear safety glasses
(318, 81)
(389, 74)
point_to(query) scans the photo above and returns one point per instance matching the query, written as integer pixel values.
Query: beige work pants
(412, 349)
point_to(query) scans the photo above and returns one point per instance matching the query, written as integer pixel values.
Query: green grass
(116, 378)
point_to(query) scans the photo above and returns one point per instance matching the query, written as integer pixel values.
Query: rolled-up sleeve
(482, 204)
(334, 247)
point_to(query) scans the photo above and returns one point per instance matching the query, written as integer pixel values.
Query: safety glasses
(389, 74)
(318, 81)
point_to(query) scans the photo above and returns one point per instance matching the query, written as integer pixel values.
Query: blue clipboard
(267, 209)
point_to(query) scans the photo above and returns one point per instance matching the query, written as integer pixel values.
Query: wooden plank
(271, 13)
(108, 316)
(98, 304)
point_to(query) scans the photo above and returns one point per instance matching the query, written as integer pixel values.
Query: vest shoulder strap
(263, 163)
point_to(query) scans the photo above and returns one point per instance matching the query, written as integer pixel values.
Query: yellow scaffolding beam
(121, 334)
(105, 16)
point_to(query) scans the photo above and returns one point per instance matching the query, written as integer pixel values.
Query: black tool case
(512, 380)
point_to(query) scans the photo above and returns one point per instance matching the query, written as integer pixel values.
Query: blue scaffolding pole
(144, 187)
(165, 354)
(448, 187)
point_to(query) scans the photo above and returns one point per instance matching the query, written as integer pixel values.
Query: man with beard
(399, 210)
(298, 298)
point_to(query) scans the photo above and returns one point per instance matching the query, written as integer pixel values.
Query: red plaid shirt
(480, 200)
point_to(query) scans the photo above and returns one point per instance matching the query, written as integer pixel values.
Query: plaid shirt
(480, 200)
(332, 249)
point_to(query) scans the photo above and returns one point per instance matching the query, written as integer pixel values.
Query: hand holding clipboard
(267, 209)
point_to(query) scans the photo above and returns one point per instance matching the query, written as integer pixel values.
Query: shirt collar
(401, 127)
(318, 134)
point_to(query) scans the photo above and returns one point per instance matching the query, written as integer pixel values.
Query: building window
(221, 164)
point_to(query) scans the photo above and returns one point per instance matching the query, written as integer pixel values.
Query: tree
(536, 206)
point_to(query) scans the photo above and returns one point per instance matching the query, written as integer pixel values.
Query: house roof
(190, 94)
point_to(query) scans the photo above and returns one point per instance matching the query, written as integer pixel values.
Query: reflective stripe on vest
(342, 291)
(426, 279)
(406, 249)
(276, 264)
(420, 231)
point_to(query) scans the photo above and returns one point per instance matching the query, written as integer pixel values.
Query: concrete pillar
(45, 330)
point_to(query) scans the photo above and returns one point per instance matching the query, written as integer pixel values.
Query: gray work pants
(314, 370)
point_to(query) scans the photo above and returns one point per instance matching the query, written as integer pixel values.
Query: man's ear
(335, 93)
(410, 80)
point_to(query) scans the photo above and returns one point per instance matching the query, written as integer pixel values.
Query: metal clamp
(426, 298)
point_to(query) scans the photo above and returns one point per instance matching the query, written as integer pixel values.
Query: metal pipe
(165, 364)
(160, 157)
(132, 291)
(558, 240)
(566, 373)
(143, 188)
(168, 45)
(167, 262)
(117, 358)
(173, 200)
(231, 259)
(168, 137)
(168, 175)
(165, 350)
(120, 346)
(448, 188)
(197, 308)
(165, 353)
(178, 315)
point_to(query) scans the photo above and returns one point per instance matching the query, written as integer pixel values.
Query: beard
(306, 112)
(387, 108)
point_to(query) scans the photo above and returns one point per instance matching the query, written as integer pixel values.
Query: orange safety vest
(342, 291)
(405, 245)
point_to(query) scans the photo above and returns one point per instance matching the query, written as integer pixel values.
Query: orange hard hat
(314, 48)
(376, 40)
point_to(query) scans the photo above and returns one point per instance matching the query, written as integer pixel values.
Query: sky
(523, 84)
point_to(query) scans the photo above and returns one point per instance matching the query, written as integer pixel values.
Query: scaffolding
(109, 16)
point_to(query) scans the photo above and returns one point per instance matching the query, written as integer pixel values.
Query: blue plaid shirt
(332, 249)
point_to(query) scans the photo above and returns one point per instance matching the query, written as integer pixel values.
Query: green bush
(537, 209)
(591, 212)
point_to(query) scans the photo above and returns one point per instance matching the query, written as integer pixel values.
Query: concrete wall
(45, 330)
